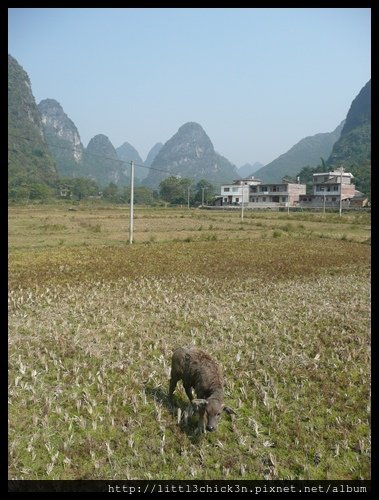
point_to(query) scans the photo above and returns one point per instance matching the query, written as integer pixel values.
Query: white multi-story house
(329, 189)
(238, 191)
(254, 193)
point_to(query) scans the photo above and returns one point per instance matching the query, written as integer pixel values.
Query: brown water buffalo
(200, 372)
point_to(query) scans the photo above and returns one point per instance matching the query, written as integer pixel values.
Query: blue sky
(256, 79)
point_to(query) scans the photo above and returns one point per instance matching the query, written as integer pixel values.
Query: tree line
(173, 190)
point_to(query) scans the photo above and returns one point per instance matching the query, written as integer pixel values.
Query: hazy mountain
(102, 164)
(127, 153)
(306, 152)
(247, 170)
(190, 153)
(62, 137)
(142, 173)
(359, 113)
(153, 153)
(29, 160)
(353, 149)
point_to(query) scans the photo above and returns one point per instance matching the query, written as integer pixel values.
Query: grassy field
(282, 301)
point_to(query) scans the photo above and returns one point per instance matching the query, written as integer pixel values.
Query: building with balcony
(238, 191)
(329, 189)
(256, 194)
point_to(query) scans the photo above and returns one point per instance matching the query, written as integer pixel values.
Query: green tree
(175, 190)
(362, 177)
(81, 187)
(18, 193)
(39, 191)
(111, 192)
(21, 190)
(142, 195)
(209, 191)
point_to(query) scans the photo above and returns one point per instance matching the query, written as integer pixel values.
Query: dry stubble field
(282, 301)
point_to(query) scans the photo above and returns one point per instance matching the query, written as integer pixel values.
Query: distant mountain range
(190, 153)
(29, 159)
(353, 148)
(44, 144)
(247, 170)
(152, 154)
(307, 152)
(102, 164)
(99, 161)
(63, 138)
(128, 153)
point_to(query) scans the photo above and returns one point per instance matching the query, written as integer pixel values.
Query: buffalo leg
(173, 382)
(188, 390)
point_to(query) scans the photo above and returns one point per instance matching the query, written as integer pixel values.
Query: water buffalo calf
(200, 372)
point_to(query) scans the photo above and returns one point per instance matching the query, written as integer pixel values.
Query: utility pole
(243, 187)
(341, 170)
(131, 202)
(202, 196)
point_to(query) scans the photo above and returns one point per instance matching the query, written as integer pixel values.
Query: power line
(74, 148)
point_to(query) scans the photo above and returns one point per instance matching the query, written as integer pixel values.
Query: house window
(264, 198)
(237, 200)
(334, 199)
(253, 189)
(284, 198)
(335, 188)
(264, 188)
(226, 190)
(235, 189)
